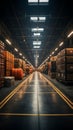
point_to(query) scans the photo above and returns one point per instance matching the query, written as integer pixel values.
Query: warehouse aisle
(36, 106)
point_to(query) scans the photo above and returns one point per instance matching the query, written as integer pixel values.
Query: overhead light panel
(34, 19)
(56, 49)
(37, 29)
(23, 57)
(61, 43)
(38, 1)
(36, 42)
(41, 19)
(36, 47)
(8, 41)
(52, 52)
(43, 1)
(36, 34)
(38, 19)
(16, 49)
(20, 54)
(32, 1)
(70, 34)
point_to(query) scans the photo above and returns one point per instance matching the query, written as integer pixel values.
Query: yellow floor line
(23, 114)
(36, 92)
(9, 96)
(66, 99)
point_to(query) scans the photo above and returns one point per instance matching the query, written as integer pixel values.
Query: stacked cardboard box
(65, 65)
(1, 63)
(52, 67)
(17, 63)
(9, 62)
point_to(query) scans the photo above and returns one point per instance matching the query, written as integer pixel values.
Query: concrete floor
(35, 106)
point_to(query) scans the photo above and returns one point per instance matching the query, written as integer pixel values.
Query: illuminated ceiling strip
(36, 42)
(8, 42)
(38, 19)
(36, 34)
(36, 47)
(61, 43)
(70, 34)
(38, 1)
(16, 49)
(32, 1)
(20, 54)
(52, 52)
(43, 1)
(34, 18)
(37, 29)
(56, 49)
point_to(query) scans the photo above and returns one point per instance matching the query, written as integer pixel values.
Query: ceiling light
(50, 55)
(56, 49)
(20, 54)
(52, 52)
(23, 57)
(70, 34)
(44, 1)
(36, 42)
(42, 18)
(32, 1)
(34, 18)
(36, 34)
(37, 29)
(8, 41)
(36, 47)
(61, 43)
(16, 49)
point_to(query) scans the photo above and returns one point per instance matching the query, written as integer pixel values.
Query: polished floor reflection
(36, 106)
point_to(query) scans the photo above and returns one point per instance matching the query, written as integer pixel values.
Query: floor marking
(36, 92)
(66, 99)
(43, 115)
(10, 95)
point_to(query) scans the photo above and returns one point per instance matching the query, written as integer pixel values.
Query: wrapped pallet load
(65, 65)
(17, 73)
(19, 63)
(9, 62)
(1, 64)
(52, 67)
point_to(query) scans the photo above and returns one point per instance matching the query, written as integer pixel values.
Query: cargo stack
(1, 64)
(17, 73)
(9, 62)
(52, 67)
(18, 63)
(65, 65)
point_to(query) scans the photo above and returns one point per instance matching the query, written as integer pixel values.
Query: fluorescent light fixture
(42, 18)
(8, 41)
(16, 49)
(38, 19)
(36, 42)
(36, 34)
(34, 18)
(20, 54)
(36, 47)
(56, 49)
(32, 1)
(61, 43)
(50, 55)
(70, 34)
(34, 29)
(37, 29)
(52, 52)
(44, 1)
(23, 57)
